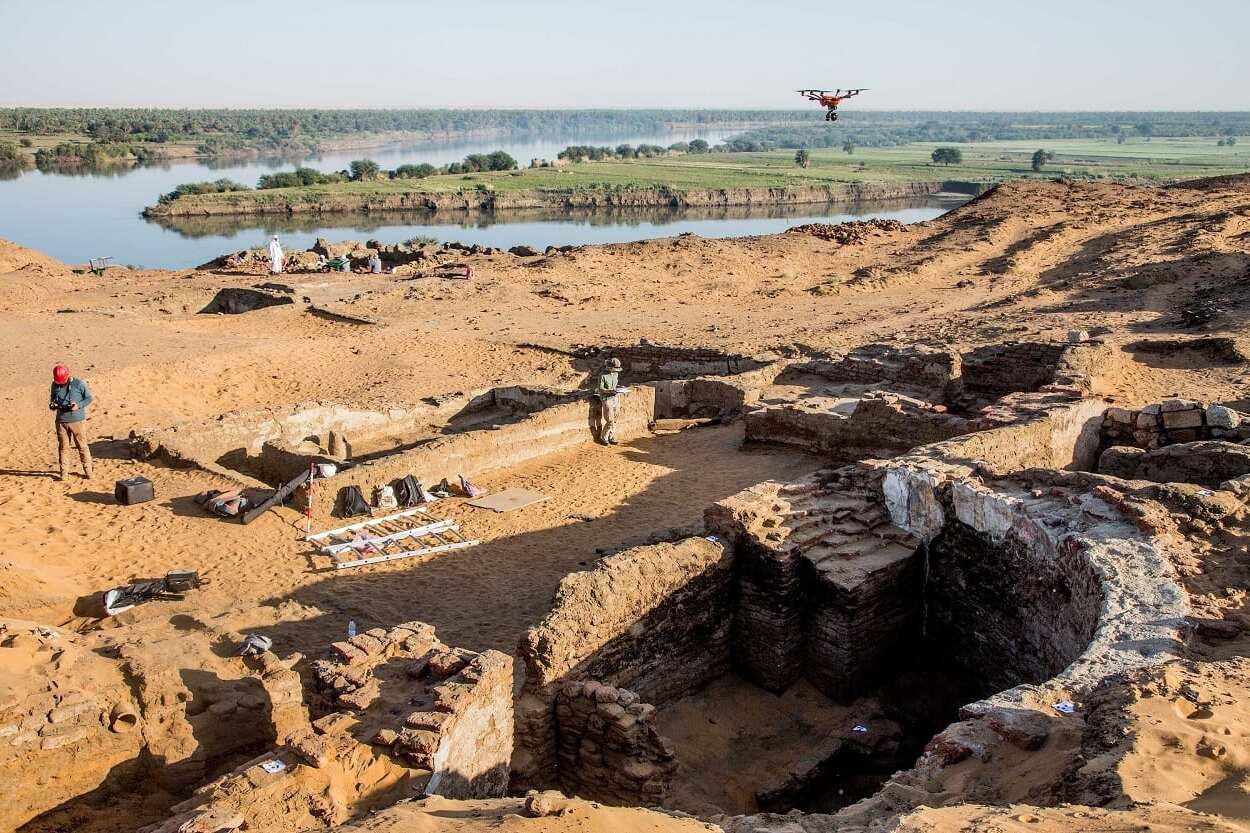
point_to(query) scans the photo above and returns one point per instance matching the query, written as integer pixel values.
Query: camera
(62, 407)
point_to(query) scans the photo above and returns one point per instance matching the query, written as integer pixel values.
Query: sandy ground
(1027, 261)
(733, 738)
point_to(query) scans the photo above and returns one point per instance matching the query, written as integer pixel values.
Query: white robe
(275, 255)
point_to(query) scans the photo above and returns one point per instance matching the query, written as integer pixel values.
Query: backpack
(407, 491)
(352, 502)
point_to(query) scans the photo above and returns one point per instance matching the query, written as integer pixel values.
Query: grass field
(1139, 160)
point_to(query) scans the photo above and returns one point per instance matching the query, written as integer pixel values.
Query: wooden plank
(378, 559)
(279, 495)
(508, 499)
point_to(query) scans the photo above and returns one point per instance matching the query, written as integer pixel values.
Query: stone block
(348, 652)
(418, 740)
(64, 737)
(369, 644)
(1024, 728)
(1182, 419)
(1120, 461)
(361, 698)
(1168, 406)
(443, 665)
(1122, 416)
(1147, 420)
(431, 721)
(1220, 417)
(311, 748)
(1185, 435)
(334, 723)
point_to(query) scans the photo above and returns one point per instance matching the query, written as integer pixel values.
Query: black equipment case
(134, 490)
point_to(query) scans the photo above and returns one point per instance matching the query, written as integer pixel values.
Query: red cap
(60, 374)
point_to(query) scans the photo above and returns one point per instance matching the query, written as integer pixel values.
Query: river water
(76, 216)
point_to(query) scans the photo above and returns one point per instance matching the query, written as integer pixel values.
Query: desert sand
(1026, 261)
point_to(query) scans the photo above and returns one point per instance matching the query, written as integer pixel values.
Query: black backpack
(407, 491)
(352, 502)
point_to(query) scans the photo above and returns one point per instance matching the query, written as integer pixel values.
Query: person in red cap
(70, 398)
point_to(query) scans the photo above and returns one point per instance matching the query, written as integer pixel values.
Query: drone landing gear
(832, 115)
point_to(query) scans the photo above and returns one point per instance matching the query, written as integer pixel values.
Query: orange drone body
(830, 99)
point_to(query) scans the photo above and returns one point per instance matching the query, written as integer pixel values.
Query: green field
(985, 162)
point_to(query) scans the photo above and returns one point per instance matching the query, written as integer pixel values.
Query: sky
(913, 54)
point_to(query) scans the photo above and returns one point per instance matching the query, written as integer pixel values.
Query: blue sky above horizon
(914, 54)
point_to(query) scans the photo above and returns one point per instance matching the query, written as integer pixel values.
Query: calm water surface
(77, 216)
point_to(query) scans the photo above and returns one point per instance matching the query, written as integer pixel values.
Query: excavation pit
(748, 670)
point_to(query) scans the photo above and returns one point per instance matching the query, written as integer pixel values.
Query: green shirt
(608, 380)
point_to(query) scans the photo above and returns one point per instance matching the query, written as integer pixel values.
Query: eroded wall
(647, 362)
(397, 712)
(930, 370)
(473, 453)
(1007, 612)
(881, 425)
(652, 620)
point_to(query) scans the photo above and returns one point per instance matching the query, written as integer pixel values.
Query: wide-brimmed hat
(614, 363)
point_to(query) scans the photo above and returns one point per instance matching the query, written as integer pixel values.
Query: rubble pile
(848, 234)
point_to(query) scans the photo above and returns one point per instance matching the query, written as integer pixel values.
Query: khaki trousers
(608, 406)
(74, 433)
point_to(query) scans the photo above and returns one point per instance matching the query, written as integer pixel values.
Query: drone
(830, 99)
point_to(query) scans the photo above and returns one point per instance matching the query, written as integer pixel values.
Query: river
(77, 216)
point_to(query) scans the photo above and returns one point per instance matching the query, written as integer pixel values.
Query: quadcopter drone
(830, 99)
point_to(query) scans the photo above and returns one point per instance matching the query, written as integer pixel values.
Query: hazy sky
(914, 54)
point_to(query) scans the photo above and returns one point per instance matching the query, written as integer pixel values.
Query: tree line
(360, 170)
(885, 129)
(580, 153)
(224, 130)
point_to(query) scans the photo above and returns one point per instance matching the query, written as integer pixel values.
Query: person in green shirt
(607, 394)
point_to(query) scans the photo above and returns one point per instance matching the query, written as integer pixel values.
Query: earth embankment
(321, 201)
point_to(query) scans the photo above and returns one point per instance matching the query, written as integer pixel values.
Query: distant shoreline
(308, 201)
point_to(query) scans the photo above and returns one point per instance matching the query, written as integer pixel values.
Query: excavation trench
(816, 634)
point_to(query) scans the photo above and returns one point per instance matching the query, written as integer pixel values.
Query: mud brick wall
(1172, 421)
(528, 399)
(885, 425)
(1207, 463)
(880, 426)
(441, 709)
(647, 362)
(240, 433)
(1053, 430)
(996, 370)
(818, 431)
(475, 742)
(922, 368)
(654, 619)
(859, 619)
(193, 720)
(58, 742)
(474, 453)
(828, 588)
(609, 746)
(1005, 612)
(769, 627)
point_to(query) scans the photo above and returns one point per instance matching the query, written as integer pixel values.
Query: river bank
(323, 201)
